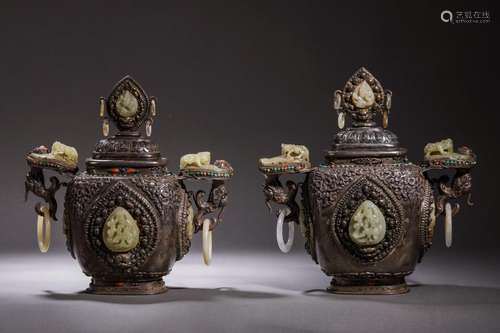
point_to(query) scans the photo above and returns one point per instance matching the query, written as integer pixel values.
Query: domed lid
(129, 108)
(363, 98)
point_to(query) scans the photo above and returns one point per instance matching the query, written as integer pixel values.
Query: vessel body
(158, 204)
(402, 194)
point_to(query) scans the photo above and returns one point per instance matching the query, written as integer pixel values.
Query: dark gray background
(238, 78)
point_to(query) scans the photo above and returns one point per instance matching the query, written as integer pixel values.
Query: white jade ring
(43, 229)
(448, 225)
(206, 242)
(284, 247)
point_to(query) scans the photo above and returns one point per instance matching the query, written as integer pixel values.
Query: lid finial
(130, 109)
(128, 106)
(362, 98)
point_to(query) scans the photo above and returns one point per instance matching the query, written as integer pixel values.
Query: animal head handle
(442, 156)
(198, 167)
(362, 98)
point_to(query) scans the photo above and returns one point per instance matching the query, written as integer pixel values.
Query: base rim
(396, 289)
(369, 286)
(97, 287)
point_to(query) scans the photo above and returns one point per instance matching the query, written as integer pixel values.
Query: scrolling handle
(198, 167)
(441, 156)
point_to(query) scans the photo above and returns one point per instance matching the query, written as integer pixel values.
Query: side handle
(197, 167)
(448, 191)
(294, 159)
(62, 159)
(289, 215)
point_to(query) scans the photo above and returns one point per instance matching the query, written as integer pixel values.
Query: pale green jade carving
(367, 225)
(59, 153)
(443, 149)
(120, 232)
(127, 104)
(199, 160)
(289, 154)
(363, 96)
(438, 149)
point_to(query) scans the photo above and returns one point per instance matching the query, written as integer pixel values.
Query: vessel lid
(129, 108)
(363, 98)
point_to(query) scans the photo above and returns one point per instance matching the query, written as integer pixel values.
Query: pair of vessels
(367, 214)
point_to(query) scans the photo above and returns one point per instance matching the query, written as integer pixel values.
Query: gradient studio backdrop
(237, 79)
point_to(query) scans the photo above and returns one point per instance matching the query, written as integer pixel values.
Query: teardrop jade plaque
(367, 225)
(120, 232)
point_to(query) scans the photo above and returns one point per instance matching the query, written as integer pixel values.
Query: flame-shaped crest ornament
(363, 97)
(128, 105)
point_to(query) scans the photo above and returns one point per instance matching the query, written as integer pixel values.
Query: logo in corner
(447, 16)
(466, 17)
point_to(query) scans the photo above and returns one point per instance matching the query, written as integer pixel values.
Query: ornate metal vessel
(127, 218)
(367, 214)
